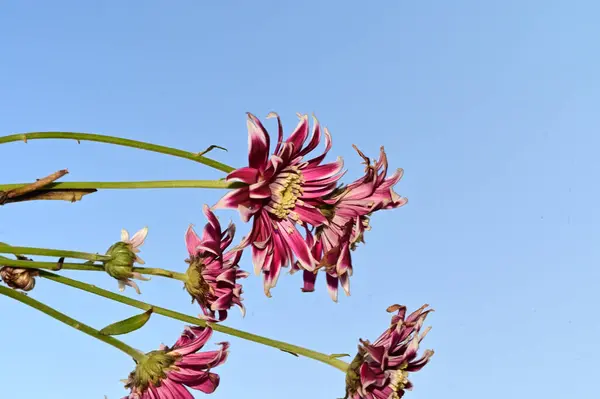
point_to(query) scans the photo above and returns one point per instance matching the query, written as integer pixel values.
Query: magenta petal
(418, 364)
(310, 215)
(246, 175)
(191, 240)
(314, 140)
(298, 137)
(309, 281)
(228, 276)
(207, 384)
(223, 302)
(332, 286)
(163, 391)
(201, 336)
(212, 219)
(233, 199)
(323, 171)
(258, 143)
(260, 190)
(367, 376)
(178, 390)
(296, 242)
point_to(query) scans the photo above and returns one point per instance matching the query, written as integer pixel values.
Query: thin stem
(298, 350)
(118, 141)
(8, 249)
(71, 322)
(153, 271)
(219, 184)
(26, 264)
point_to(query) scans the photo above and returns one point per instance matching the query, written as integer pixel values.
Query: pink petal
(298, 137)
(297, 244)
(317, 160)
(310, 215)
(309, 281)
(332, 286)
(260, 190)
(314, 140)
(279, 128)
(191, 240)
(233, 199)
(178, 390)
(258, 143)
(223, 302)
(246, 175)
(207, 384)
(323, 171)
(212, 219)
(228, 276)
(184, 346)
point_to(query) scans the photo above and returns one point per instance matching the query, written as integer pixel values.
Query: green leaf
(128, 325)
(338, 355)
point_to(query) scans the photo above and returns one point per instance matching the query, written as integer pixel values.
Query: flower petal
(258, 143)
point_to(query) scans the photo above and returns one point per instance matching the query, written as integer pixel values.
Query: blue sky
(490, 107)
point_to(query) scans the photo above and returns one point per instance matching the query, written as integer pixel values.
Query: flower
(380, 370)
(164, 373)
(17, 278)
(281, 190)
(348, 210)
(212, 274)
(123, 255)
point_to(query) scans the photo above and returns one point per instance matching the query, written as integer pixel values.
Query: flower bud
(123, 255)
(120, 266)
(19, 279)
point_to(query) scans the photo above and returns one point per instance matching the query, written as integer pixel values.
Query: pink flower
(164, 373)
(380, 370)
(212, 275)
(282, 190)
(348, 210)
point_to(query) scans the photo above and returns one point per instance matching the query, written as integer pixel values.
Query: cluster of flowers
(302, 218)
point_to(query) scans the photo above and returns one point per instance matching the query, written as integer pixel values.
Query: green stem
(298, 350)
(219, 184)
(71, 322)
(8, 249)
(26, 264)
(118, 141)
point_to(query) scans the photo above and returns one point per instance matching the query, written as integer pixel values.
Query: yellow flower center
(398, 380)
(285, 191)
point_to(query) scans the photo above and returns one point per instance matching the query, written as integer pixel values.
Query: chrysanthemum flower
(348, 210)
(212, 275)
(123, 255)
(380, 370)
(164, 373)
(282, 190)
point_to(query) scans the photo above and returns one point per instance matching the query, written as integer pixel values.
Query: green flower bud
(120, 266)
(123, 255)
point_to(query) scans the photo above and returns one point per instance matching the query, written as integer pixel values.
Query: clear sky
(490, 107)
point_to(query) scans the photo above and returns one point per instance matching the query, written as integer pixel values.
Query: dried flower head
(17, 278)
